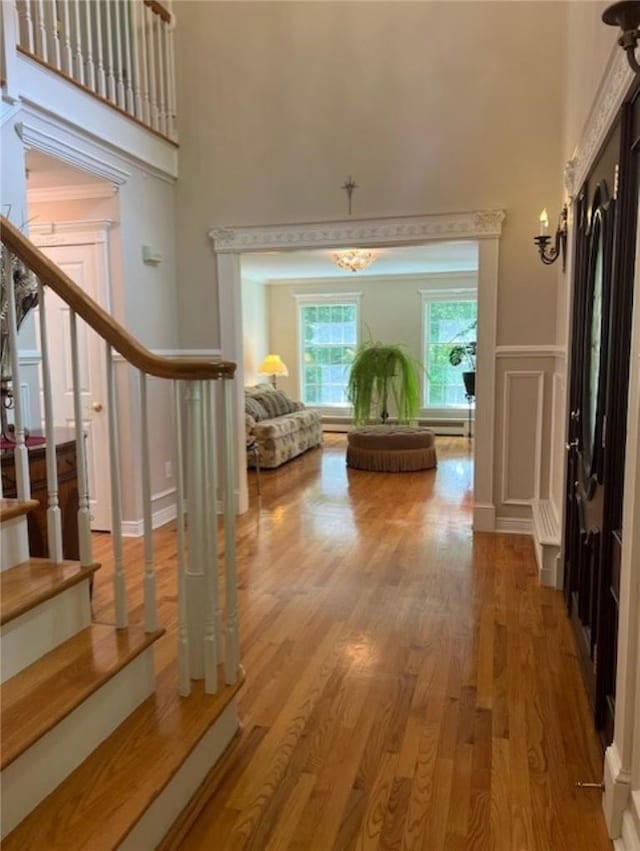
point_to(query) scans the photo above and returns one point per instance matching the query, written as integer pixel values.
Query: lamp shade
(273, 365)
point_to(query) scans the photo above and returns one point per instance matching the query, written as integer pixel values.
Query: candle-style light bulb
(544, 222)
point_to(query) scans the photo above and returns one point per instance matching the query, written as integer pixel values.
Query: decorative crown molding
(480, 224)
(616, 83)
(79, 192)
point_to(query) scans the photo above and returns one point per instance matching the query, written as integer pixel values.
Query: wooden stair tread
(28, 584)
(101, 801)
(10, 508)
(37, 698)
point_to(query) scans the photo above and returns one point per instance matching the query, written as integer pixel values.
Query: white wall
(255, 329)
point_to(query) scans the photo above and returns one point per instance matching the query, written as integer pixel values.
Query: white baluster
(119, 80)
(195, 579)
(100, 75)
(91, 71)
(150, 607)
(28, 27)
(162, 80)
(171, 72)
(20, 454)
(153, 92)
(42, 47)
(111, 83)
(84, 514)
(128, 61)
(146, 103)
(232, 658)
(211, 645)
(119, 577)
(135, 47)
(79, 58)
(184, 679)
(54, 517)
(55, 35)
(67, 54)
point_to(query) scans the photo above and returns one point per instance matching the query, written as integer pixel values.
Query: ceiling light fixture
(354, 259)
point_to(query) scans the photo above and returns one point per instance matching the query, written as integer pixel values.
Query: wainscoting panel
(522, 416)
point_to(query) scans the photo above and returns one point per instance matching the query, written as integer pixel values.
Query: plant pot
(469, 379)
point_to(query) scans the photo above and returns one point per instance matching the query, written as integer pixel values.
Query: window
(449, 320)
(329, 336)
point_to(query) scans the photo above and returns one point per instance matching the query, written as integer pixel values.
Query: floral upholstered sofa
(281, 428)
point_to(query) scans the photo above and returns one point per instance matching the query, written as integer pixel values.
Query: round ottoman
(391, 448)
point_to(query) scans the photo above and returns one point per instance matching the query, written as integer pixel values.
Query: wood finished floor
(409, 685)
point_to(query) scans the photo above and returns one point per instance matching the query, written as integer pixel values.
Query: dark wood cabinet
(67, 494)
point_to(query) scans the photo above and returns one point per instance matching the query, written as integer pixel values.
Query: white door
(84, 264)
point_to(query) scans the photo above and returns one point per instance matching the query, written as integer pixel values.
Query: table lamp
(272, 365)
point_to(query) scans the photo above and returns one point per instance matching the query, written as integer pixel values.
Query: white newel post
(150, 606)
(195, 579)
(84, 513)
(20, 454)
(232, 651)
(11, 37)
(184, 677)
(119, 577)
(54, 517)
(211, 646)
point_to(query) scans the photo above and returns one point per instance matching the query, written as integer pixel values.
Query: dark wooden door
(605, 219)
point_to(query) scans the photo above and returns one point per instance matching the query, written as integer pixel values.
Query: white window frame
(429, 297)
(324, 300)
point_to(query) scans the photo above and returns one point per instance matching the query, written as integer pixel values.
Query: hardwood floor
(409, 685)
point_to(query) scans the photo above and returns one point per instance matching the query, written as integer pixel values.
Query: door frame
(483, 226)
(94, 232)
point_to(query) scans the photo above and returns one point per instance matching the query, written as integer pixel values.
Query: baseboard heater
(452, 426)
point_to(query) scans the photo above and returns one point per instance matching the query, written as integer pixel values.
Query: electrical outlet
(168, 469)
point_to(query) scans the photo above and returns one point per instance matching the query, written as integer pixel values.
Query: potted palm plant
(380, 373)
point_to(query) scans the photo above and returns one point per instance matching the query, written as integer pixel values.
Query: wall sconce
(626, 15)
(543, 240)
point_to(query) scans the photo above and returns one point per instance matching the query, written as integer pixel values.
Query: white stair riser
(28, 637)
(31, 777)
(156, 821)
(14, 542)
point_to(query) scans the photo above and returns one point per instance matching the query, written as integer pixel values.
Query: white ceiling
(461, 256)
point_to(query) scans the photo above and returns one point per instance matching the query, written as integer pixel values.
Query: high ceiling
(461, 256)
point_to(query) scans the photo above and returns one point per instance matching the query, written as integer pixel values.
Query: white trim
(352, 297)
(557, 402)
(617, 785)
(406, 230)
(55, 234)
(630, 837)
(135, 528)
(550, 351)
(616, 83)
(513, 525)
(79, 192)
(509, 376)
(484, 517)
(411, 277)
(484, 226)
(29, 357)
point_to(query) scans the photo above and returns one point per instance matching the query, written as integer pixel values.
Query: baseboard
(629, 839)
(156, 822)
(135, 528)
(513, 525)
(484, 517)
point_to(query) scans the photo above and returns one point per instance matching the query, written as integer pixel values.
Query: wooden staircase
(95, 752)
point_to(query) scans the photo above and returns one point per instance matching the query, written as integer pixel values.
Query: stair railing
(207, 633)
(120, 50)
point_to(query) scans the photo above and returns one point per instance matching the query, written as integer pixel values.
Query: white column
(211, 645)
(21, 457)
(119, 576)
(232, 650)
(184, 678)
(54, 517)
(84, 513)
(150, 607)
(195, 579)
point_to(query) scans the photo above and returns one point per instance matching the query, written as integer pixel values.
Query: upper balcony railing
(122, 51)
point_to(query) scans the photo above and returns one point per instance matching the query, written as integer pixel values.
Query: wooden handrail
(103, 323)
(158, 9)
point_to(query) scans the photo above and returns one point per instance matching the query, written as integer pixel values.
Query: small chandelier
(354, 259)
